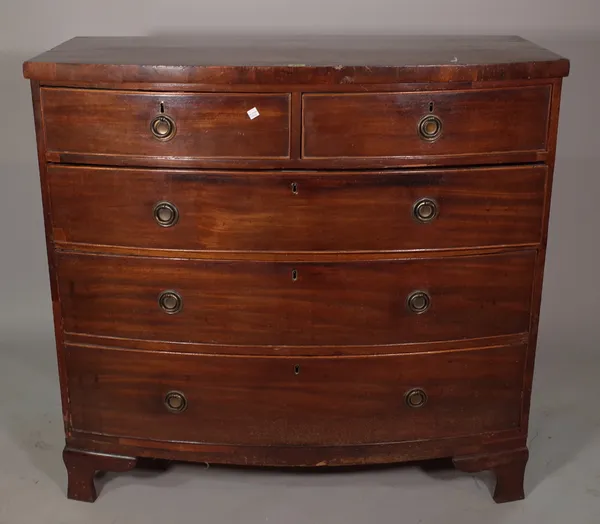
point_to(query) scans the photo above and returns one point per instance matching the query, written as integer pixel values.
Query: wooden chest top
(294, 60)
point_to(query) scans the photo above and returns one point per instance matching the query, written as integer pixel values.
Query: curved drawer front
(441, 123)
(298, 212)
(119, 123)
(265, 303)
(294, 401)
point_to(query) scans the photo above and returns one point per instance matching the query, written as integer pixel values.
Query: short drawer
(294, 401)
(441, 123)
(296, 304)
(390, 211)
(210, 125)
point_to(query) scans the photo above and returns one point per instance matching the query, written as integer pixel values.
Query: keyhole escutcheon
(294, 275)
(297, 369)
(294, 187)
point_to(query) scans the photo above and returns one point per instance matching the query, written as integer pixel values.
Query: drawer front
(297, 212)
(276, 303)
(207, 125)
(294, 401)
(387, 124)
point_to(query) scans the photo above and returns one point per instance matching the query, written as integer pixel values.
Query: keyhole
(294, 275)
(162, 107)
(294, 188)
(431, 107)
(297, 369)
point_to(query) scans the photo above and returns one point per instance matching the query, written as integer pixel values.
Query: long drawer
(252, 211)
(278, 303)
(208, 125)
(294, 401)
(425, 124)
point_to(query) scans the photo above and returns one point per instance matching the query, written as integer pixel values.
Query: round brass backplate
(170, 302)
(418, 302)
(163, 127)
(166, 214)
(430, 128)
(415, 398)
(425, 210)
(175, 402)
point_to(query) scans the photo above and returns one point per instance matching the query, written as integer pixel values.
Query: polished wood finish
(285, 256)
(339, 60)
(245, 211)
(84, 339)
(509, 467)
(113, 123)
(304, 456)
(50, 252)
(386, 124)
(82, 466)
(328, 304)
(273, 401)
(297, 163)
(321, 285)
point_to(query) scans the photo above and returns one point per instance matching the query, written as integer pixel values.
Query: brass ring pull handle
(175, 402)
(170, 302)
(166, 214)
(425, 210)
(415, 398)
(418, 302)
(163, 127)
(430, 128)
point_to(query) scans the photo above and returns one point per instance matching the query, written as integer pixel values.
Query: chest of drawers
(315, 252)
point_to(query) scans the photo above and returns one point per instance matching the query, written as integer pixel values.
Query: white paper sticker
(253, 113)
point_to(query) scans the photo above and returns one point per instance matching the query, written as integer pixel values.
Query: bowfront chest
(301, 252)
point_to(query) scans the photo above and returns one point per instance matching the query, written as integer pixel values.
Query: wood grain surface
(272, 211)
(340, 59)
(386, 124)
(260, 303)
(112, 123)
(294, 401)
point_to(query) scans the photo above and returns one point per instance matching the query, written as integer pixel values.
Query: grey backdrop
(563, 477)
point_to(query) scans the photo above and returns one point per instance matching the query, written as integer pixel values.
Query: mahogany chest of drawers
(312, 252)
